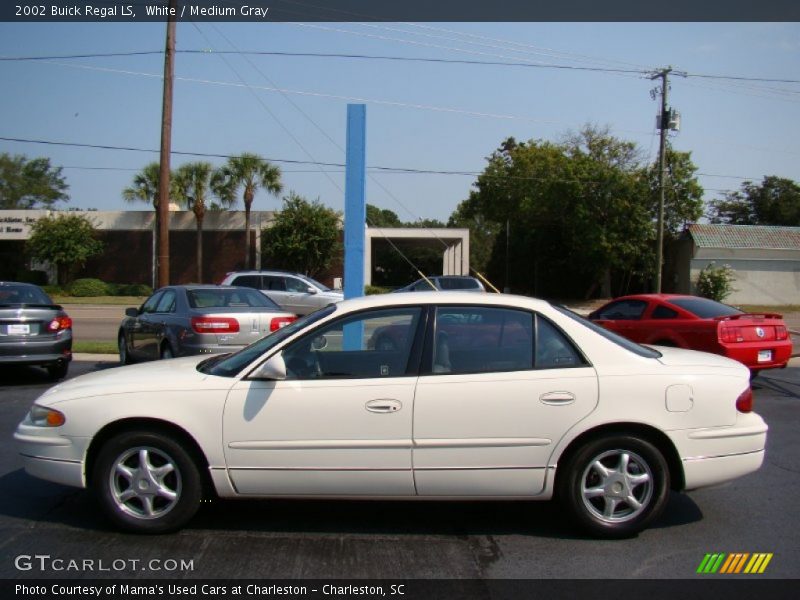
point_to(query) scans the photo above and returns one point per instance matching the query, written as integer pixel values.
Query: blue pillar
(355, 214)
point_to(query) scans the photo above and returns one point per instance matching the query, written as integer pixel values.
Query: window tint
(150, 304)
(610, 335)
(167, 302)
(623, 310)
(423, 286)
(373, 344)
(274, 283)
(296, 285)
(482, 340)
(23, 294)
(228, 298)
(225, 365)
(458, 283)
(553, 349)
(705, 308)
(663, 312)
(251, 281)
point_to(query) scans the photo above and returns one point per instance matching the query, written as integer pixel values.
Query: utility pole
(166, 149)
(663, 74)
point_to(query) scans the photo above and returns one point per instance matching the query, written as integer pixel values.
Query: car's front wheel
(615, 486)
(147, 482)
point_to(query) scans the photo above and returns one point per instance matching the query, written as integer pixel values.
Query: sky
(426, 116)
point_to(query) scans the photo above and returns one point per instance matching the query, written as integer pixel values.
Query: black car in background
(33, 330)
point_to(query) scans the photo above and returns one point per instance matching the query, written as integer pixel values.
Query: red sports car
(760, 341)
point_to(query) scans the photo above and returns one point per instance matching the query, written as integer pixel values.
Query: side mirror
(274, 369)
(131, 312)
(311, 290)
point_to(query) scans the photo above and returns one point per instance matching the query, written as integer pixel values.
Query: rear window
(228, 298)
(705, 308)
(23, 294)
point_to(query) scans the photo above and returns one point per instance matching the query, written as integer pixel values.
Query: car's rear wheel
(166, 351)
(615, 486)
(58, 370)
(146, 482)
(122, 345)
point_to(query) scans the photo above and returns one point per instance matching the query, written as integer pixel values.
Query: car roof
(656, 297)
(263, 271)
(439, 297)
(19, 283)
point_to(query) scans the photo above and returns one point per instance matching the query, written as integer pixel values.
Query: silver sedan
(184, 320)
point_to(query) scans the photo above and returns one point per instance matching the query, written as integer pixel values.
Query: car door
(499, 388)
(274, 286)
(299, 299)
(340, 423)
(623, 317)
(140, 329)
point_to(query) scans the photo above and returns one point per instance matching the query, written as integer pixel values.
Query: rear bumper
(34, 352)
(747, 354)
(719, 454)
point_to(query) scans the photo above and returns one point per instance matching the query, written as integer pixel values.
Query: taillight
(729, 334)
(744, 403)
(781, 333)
(215, 325)
(60, 323)
(279, 322)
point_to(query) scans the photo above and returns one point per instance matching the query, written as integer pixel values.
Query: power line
(383, 57)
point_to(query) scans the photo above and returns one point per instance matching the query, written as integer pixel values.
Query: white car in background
(293, 292)
(476, 397)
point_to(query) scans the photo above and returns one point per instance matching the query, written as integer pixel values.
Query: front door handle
(384, 405)
(557, 398)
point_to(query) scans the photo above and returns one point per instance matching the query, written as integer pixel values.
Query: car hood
(679, 357)
(158, 376)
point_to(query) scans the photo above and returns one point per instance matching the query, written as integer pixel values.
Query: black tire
(614, 504)
(58, 370)
(122, 346)
(160, 498)
(166, 351)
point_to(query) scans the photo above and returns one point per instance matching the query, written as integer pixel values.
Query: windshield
(234, 363)
(610, 335)
(324, 288)
(705, 308)
(22, 294)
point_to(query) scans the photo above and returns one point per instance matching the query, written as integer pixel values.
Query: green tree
(30, 183)
(578, 210)
(304, 236)
(683, 194)
(248, 172)
(145, 186)
(64, 240)
(482, 233)
(775, 201)
(192, 186)
(382, 217)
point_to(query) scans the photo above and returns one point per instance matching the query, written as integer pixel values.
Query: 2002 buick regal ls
(425, 396)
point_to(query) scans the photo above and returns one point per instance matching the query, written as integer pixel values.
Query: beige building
(765, 260)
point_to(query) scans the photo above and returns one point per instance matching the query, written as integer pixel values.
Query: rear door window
(251, 281)
(622, 310)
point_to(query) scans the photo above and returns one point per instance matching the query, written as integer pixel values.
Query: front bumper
(48, 455)
(719, 454)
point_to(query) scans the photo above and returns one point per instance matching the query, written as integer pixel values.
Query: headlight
(46, 417)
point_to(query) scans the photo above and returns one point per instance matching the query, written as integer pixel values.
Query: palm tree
(192, 184)
(145, 189)
(249, 172)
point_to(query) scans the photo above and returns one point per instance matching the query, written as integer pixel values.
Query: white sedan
(406, 396)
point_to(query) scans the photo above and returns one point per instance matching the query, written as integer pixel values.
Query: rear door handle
(384, 405)
(557, 398)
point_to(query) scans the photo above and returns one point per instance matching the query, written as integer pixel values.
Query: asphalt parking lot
(345, 539)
